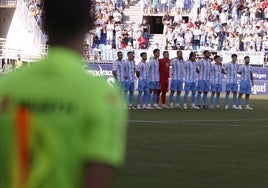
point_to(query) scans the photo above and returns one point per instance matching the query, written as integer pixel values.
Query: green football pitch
(197, 148)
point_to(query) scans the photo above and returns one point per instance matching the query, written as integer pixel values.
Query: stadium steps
(157, 38)
(132, 13)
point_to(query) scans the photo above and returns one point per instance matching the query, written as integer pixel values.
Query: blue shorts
(129, 86)
(203, 85)
(232, 87)
(176, 85)
(190, 86)
(245, 87)
(216, 88)
(154, 85)
(143, 85)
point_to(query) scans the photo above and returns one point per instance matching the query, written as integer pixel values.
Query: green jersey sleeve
(105, 133)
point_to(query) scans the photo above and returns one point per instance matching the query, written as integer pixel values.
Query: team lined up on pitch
(199, 76)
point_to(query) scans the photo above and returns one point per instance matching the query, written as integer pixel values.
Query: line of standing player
(196, 76)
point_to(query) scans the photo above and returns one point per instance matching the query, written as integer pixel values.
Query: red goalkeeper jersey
(164, 69)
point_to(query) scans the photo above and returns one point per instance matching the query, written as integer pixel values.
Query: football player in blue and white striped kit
(246, 72)
(129, 76)
(216, 81)
(117, 70)
(231, 70)
(177, 65)
(190, 80)
(142, 73)
(204, 68)
(154, 78)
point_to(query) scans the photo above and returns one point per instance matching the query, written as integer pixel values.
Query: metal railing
(32, 26)
(10, 53)
(7, 52)
(2, 44)
(8, 2)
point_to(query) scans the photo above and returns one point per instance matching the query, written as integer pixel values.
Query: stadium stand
(216, 25)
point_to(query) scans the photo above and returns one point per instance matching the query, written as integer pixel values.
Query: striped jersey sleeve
(204, 67)
(231, 70)
(118, 68)
(190, 71)
(177, 69)
(154, 70)
(216, 75)
(129, 70)
(245, 72)
(143, 68)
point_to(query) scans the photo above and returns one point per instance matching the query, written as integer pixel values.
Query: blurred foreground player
(60, 127)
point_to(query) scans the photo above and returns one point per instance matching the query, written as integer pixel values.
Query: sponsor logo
(259, 76)
(98, 71)
(260, 88)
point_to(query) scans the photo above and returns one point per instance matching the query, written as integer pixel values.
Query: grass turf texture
(197, 148)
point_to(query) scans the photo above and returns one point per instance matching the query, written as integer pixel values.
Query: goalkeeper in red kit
(164, 75)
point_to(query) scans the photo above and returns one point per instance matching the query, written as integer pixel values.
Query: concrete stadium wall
(6, 15)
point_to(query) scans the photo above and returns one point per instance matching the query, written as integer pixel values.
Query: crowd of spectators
(161, 6)
(111, 33)
(230, 25)
(35, 8)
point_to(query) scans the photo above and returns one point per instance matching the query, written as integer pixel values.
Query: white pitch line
(202, 122)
